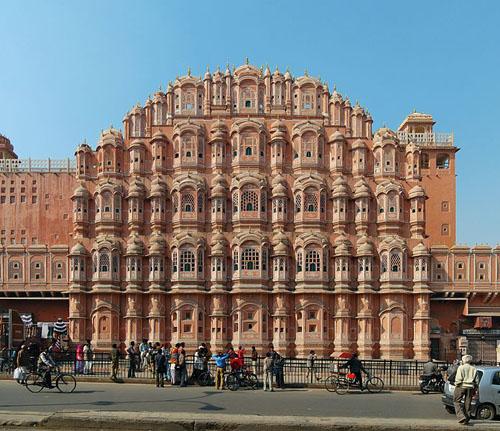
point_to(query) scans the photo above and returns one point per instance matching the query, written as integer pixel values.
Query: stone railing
(427, 139)
(30, 165)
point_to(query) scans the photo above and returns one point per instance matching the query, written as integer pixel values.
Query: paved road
(289, 402)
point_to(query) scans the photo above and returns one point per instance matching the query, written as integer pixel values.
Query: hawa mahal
(250, 207)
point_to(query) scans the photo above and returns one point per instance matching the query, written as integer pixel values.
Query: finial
(246, 60)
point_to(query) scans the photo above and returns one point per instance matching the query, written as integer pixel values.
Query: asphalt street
(288, 402)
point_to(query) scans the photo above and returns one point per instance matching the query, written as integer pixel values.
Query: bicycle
(35, 382)
(241, 378)
(344, 382)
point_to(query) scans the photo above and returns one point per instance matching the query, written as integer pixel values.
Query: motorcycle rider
(430, 368)
(45, 365)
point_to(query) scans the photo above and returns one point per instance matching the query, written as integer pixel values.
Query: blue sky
(70, 69)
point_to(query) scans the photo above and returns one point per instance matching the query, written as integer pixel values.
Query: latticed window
(235, 260)
(250, 258)
(310, 202)
(395, 262)
(174, 261)
(249, 200)
(187, 261)
(235, 202)
(104, 261)
(175, 202)
(200, 261)
(299, 261)
(383, 262)
(187, 202)
(312, 261)
(298, 203)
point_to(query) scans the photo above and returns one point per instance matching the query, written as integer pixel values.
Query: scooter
(432, 383)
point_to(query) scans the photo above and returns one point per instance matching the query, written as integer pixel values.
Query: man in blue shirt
(220, 362)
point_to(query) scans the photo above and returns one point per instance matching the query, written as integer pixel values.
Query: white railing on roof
(30, 165)
(427, 139)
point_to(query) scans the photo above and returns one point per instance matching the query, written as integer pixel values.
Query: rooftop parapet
(427, 139)
(30, 165)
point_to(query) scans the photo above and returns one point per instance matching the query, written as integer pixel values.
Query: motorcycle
(433, 382)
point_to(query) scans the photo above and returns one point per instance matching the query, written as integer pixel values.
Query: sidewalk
(102, 420)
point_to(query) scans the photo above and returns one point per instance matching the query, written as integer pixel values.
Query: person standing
(79, 359)
(311, 371)
(131, 360)
(268, 372)
(255, 358)
(115, 359)
(220, 362)
(465, 382)
(160, 366)
(182, 366)
(174, 362)
(88, 356)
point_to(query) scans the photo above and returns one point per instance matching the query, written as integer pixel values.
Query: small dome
(134, 245)
(420, 250)
(78, 248)
(364, 247)
(417, 191)
(136, 189)
(336, 136)
(358, 144)
(158, 187)
(340, 187)
(81, 191)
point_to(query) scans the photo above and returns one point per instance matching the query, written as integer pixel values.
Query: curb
(110, 420)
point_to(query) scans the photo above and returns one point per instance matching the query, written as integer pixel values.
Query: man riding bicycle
(45, 365)
(356, 366)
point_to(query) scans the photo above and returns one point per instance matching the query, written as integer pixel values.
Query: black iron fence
(297, 372)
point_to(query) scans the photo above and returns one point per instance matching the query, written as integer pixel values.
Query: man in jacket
(160, 366)
(220, 362)
(465, 382)
(131, 359)
(356, 366)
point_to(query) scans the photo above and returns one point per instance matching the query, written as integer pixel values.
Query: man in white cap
(465, 382)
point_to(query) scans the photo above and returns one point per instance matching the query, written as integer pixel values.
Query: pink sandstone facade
(249, 207)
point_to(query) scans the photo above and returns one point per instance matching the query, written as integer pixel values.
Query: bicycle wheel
(65, 383)
(330, 383)
(341, 386)
(374, 385)
(252, 381)
(34, 382)
(205, 379)
(232, 382)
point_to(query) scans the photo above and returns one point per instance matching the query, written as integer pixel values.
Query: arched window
(187, 261)
(298, 203)
(187, 202)
(395, 262)
(249, 200)
(312, 261)
(104, 261)
(310, 201)
(250, 258)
